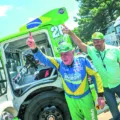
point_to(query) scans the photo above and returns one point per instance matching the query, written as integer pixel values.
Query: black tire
(47, 105)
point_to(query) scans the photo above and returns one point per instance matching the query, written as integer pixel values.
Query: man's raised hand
(65, 30)
(30, 42)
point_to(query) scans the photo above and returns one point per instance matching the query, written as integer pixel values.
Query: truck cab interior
(24, 71)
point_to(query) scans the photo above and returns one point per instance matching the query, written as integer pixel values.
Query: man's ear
(103, 40)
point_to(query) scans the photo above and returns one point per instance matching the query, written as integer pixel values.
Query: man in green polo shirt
(106, 59)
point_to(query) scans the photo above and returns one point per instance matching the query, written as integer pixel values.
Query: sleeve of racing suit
(47, 60)
(97, 79)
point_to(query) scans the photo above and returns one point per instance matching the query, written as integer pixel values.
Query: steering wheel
(30, 61)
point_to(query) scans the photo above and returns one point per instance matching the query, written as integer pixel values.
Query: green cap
(64, 47)
(97, 36)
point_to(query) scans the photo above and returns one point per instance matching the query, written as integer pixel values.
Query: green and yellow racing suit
(75, 83)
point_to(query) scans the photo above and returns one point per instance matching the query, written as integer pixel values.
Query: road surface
(106, 115)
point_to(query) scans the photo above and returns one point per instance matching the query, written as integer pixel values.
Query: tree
(94, 15)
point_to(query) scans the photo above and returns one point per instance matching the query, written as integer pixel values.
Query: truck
(29, 90)
(112, 33)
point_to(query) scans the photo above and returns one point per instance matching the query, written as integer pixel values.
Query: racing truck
(29, 90)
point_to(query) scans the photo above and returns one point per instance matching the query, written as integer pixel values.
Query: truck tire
(47, 106)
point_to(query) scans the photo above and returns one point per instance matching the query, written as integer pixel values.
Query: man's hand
(65, 30)
(30, 42)
(101, 102)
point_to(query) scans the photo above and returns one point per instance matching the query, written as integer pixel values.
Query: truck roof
(53, 17)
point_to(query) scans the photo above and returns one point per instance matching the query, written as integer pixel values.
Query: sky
(16, 13)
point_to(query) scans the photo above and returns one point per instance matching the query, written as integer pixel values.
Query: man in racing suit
(74, 71)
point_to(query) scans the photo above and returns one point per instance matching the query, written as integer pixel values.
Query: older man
(74, 71)
(106, 59)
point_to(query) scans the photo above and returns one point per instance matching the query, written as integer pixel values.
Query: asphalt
(106, 116)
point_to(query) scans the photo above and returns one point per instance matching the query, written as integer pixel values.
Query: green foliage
(76, 31)
(94, 15)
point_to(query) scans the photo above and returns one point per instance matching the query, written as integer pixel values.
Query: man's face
(67, 57)
(98, 44)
